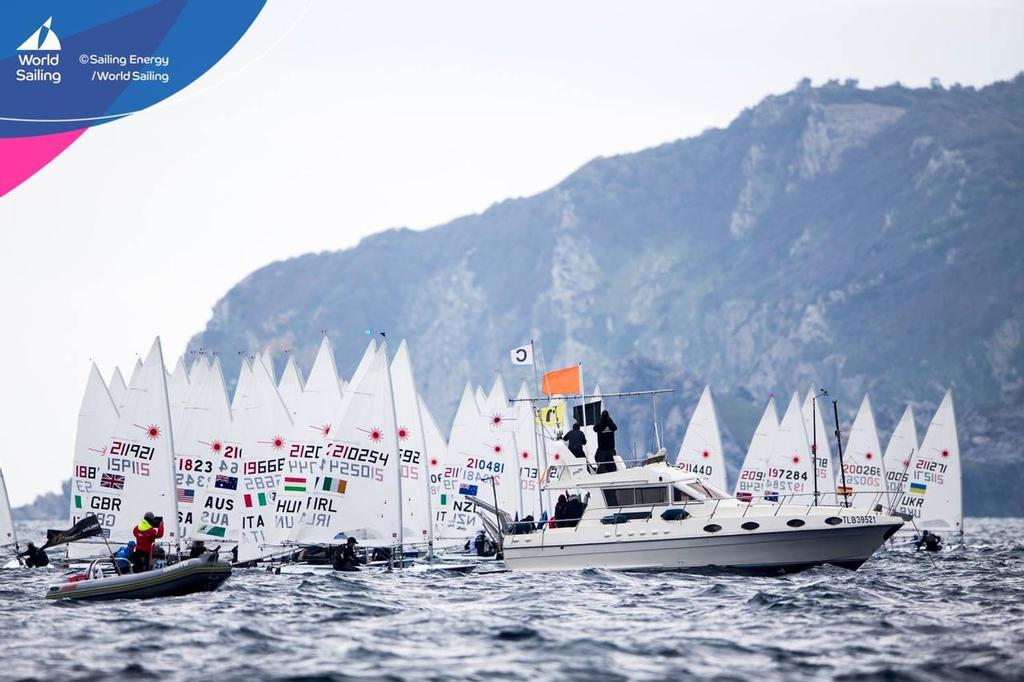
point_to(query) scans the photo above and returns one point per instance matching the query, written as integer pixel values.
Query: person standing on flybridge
(149, 530)
(576, 440)
(605, 455)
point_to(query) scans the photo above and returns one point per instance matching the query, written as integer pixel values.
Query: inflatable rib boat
(203, 574)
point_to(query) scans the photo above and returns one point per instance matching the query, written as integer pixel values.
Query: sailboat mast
(398, 457)
(424, 463)
(839, 444)
(540, 443)
(170, 445)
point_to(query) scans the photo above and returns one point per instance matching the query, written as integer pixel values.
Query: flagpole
(542, 446)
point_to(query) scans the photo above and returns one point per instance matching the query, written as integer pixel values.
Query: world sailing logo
(41, 67)
(44, 39)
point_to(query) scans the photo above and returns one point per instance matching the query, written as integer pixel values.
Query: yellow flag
(551, 416)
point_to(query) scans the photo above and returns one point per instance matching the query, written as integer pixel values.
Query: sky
(333, 120)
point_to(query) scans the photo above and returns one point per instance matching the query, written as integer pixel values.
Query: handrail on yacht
(778, 501)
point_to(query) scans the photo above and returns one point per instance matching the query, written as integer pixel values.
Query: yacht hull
(765, 552)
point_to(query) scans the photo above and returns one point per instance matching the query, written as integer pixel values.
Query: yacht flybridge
(657, 517)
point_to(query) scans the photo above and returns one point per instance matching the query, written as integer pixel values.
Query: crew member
(573, 511)
(146, 533)
(35, 557)
(605, 455)
(346, 560)
(576, 440)
(482, 544)
(123, 557)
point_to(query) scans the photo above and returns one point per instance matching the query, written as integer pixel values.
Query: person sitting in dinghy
(147, 532)
(345, 559)
(930, 541)
(123, 557)
(35, 557)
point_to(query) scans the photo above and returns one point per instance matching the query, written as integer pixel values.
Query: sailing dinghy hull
(204, 574)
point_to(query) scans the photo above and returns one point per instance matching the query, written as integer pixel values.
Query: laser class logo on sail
(39, 56)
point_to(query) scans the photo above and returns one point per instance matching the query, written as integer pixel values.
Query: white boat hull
(778, 551)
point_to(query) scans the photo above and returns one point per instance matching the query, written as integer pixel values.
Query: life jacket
(145, 535)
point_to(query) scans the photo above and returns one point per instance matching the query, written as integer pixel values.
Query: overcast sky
(331, 122)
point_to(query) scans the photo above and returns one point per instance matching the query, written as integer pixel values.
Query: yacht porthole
(795, 523)
(712, 528)
(833, 520)
(751, 525)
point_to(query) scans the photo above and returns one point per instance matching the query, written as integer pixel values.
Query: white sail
(8, 535)
(356, 491)
(412, 448)
(750, 484)
(117, 387)
(315, 419)
(291, 385)
(268, 362)
(177, 391)
(902, 447)
(136, 469)
(481, 399)
(436, 449)
(199, 367)
(499, 445)
(527, 455)
(820, 437)
(207, 465)
(259, 426)
(862, 461)
(933, 494)
(97, 420)
(245, 372)
(701, 450)
(136, 370)
(455, 515)
(788, 476)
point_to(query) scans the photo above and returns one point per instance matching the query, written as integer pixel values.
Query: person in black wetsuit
(605, 456)
(35, 557)
(930, 541)
(576, 440)
(346, 559)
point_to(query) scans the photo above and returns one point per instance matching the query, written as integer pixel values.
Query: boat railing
(873, 501)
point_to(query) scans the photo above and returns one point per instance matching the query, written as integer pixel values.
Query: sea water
(954, 615)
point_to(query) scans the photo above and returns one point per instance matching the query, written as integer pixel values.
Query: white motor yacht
(657, 517)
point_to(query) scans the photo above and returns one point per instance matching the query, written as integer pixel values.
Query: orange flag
(562, 382)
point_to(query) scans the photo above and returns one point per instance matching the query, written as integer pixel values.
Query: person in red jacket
(150, 528)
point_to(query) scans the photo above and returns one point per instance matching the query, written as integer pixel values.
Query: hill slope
(869, 240)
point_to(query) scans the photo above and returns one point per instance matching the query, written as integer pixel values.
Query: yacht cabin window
(632, 497)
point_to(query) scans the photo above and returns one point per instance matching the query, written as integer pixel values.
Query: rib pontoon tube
(204, 574)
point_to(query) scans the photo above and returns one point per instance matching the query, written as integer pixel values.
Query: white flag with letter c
(522, 355)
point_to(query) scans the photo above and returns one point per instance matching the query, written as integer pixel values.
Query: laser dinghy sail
(8, 536)
(750, 484)
(97, 420)
(933, 493)
(701, 451)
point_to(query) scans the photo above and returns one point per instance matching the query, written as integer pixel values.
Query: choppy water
(955, 615)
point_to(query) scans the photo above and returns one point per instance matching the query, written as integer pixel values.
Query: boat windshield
(708, 491)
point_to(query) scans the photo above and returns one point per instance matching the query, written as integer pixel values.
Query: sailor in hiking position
(149, 530)
(605, 456)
